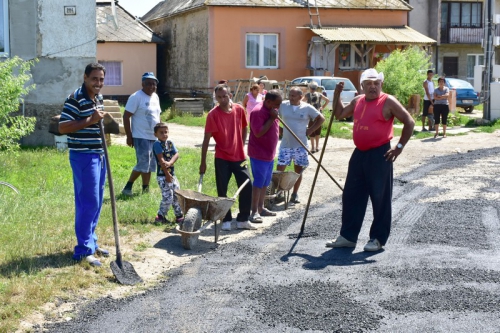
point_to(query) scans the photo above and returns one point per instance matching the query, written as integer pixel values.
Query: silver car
(329, 83)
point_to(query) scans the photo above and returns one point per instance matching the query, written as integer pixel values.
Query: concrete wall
(461, 51)
(136, 58)
(64, 45)
(186, 52)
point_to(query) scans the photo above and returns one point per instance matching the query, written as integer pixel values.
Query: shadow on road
(334, 257)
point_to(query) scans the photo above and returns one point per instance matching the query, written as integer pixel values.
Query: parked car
(329, 83)
(467, 97)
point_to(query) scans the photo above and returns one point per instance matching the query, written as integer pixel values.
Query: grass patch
(37, 238)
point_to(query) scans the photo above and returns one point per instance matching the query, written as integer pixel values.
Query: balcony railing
(451, 34)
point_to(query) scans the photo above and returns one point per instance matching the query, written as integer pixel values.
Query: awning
(379, 35)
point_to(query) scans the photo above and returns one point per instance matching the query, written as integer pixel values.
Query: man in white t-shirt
(428, 100)
(142, 113)
(296, 115)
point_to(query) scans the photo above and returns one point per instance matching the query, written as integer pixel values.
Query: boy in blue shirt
(166, 155)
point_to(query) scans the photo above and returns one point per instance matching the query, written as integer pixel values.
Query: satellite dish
(113, 14)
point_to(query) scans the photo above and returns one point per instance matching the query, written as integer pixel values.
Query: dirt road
(439, 272)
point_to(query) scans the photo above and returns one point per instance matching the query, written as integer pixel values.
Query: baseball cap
(372, 75)
(149, 75)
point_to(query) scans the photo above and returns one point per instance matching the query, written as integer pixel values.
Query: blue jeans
(89, 177)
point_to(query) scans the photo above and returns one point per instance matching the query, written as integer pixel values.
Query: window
(4, 28)
(345, 56)
(462, 14)
(349, 58)
(113, 73)
(473, 60)
(262, 51)
(450, 66)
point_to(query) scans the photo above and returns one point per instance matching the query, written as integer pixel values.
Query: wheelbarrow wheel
(192, 220)
(271, 192)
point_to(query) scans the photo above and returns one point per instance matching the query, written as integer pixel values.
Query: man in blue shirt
(80, 121)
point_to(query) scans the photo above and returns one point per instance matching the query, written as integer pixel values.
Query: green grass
(37, 237)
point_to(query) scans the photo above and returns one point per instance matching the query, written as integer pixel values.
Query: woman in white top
(441, 106)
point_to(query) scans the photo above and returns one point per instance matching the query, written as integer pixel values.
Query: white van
(329, 83)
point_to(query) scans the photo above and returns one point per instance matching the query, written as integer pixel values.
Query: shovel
(123, 271)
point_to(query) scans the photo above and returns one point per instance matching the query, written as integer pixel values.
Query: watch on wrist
(399, 146)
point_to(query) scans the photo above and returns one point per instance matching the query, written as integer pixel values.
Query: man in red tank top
(370, 171)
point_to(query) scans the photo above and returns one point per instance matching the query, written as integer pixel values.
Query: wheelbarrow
(281, 182)
(199, 207)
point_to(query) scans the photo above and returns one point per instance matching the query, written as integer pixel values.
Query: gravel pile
(459, 299)
(313, 305)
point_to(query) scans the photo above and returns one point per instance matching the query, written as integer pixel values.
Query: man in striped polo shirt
(80, 121)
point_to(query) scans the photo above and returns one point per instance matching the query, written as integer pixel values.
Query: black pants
(369, 175)
(441, 112)
(223, 172)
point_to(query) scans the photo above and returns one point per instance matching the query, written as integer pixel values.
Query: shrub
(14, 76)
(404, 72)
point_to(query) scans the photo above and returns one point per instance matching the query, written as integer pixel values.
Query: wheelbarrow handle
(200, 182)
(241, 188)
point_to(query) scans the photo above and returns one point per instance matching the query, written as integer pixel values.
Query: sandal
(267, 212)
(255, 218)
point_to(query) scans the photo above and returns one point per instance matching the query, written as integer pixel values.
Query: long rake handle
(112, 195)
(335, 101)
(311, 154)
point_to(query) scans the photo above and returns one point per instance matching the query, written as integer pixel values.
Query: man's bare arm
(204, 150)
(76, 125)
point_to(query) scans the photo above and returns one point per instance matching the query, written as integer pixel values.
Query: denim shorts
(262, 172)
(146, 161)
(298, 155)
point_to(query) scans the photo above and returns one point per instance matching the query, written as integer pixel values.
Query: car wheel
(468, 109)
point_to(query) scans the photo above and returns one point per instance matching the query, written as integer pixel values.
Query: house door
(450, 66)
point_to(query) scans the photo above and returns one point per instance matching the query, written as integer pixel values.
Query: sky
(138, 7)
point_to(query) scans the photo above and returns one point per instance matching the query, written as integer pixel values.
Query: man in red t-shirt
(370, 171)
(227, 124)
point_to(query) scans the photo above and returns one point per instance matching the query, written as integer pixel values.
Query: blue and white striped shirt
(78, 106)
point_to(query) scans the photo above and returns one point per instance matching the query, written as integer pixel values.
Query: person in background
(428, 98)
(370, 171)
(80, 121)
(319, 101)
(252, 99)
(264, 134)
(441, 106)
(166, 155)
(142, 113)
(227, 124)
(262, 88)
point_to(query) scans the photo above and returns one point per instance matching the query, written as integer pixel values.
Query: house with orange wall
(126, 47)
(210, 40)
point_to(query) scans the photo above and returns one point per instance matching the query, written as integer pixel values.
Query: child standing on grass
(166, 155)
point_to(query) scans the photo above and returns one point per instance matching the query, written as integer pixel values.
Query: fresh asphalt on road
(440, 271)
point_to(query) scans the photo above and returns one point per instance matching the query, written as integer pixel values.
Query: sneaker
(340, 242)
(294, 198)
(93, 261)
(160, 219)
(372, 245)
(256, 218)
(179, 219)
(226, 226)
(102, 252)
(246, 225)
(127, 192)
(267, 212)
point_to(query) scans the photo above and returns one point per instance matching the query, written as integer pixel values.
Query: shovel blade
(303, 234)
(125, 274)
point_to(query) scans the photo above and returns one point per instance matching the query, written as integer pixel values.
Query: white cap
(372, 75)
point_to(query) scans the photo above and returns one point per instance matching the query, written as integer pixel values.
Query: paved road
(440, 271)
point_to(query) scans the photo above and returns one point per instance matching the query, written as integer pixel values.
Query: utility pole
(488, 57)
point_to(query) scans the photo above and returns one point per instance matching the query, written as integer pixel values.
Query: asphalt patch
(459, 299)
(314, 305)
(440, 276)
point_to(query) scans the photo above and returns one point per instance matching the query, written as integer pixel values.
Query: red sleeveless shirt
(371, 129)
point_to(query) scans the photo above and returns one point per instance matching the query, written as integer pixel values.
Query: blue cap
(149, 75)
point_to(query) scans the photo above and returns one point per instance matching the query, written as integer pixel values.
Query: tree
(404, 72)
(14, 76)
